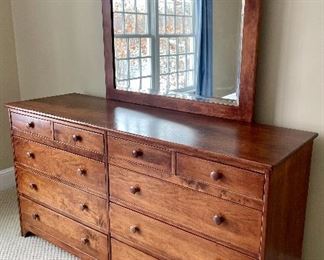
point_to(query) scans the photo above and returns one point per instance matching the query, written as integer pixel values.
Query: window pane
(141, 6)
(181, 80)
(146, 84)
(164, 46)
(179, 25)
(190, 79)
(146, 67)
(173, 81)
(170, 6)
(188, 7)
(145, 47)
(188, 25)
(161, 5)
(164, 65)
(122, 85)
(141, 24)
(120, 48)
(134, 47)
(190, 62)
(173, 63)
(130, 22)
(191, 47)
(182, 62)
(118, 5)
(122, 69)
(164, 84)
(179, 7)
(134, 68)
(182, 43)
(129, 5)
(173, 46)
(169, 24)
(162, 24)
(134, 84)
(118, 23)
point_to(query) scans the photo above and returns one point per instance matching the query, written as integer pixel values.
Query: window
(154, 44)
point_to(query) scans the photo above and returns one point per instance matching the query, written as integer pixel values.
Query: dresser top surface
(262, 144)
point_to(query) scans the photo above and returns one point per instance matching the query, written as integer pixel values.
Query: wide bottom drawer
(165, 241)
(69, 232)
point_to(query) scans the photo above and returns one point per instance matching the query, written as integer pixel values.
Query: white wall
(290, 91)
(60, 49)
(9, 87)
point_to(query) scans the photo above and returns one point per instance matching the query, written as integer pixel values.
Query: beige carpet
(12, 245)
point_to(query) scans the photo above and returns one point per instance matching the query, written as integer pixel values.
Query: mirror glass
(187, 49)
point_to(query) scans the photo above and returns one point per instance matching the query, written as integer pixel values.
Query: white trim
(7, 178)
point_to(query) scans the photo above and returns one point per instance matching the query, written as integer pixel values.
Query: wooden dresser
(111, 180)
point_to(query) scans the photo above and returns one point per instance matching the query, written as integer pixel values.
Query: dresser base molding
(117, 181)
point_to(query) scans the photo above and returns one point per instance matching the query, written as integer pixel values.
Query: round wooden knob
(134, 189)
(30, 155)
(134, 229)
(216, 175)
(76, 138)
(82, 172)
(218, 219)
(35, 216)
(33, 186)
(85, 241)
(136, 153)
(84, 206)
(30, 125)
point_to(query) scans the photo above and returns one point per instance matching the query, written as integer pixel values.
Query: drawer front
(64, 229)
(121, 251)
(80, 138)
(201, 213)
(220, 176)
(133, 155)
(32, 125)
(78, 204)
(69, 167)
(164, 240)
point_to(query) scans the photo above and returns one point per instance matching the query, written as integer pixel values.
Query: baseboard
(7, 178)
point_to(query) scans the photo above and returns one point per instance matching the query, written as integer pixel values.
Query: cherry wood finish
(164, 241)
(81, 171)
(78, 137)
(121, 251)
(176, 186)
(66, 230)
(75, 203)
(192, 211)
(243, 111)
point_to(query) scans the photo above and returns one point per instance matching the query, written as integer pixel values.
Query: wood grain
(64, 229)
(164, 241)
(188, 209)
(64, 198)
(121, 251)
(62, 165)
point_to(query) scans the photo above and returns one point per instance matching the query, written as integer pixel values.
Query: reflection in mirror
(179, 48)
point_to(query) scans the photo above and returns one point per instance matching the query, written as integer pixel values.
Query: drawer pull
(218, 219)
(137, 153)
(30, 125)
(134, 229)
(76, 138)
(33, 186)
(134, 189)
(84, 207)
(35, 216)
(216, 175)
(85, 241)
(30, 155)
(82, 172)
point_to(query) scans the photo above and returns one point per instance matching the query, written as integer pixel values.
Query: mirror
(188, 49)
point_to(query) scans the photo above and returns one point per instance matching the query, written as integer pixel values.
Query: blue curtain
(204, 45)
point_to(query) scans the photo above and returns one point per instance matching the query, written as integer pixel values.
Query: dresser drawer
(83, 172)
(164, 240)
(217, 219)
(80, 138)
(31, 124)
(121, 251)
(73, 202)
(217, 175)
(35, 217)
(135, 156)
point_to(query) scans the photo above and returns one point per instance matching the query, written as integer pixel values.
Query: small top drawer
(133, 155)
(217, 175)
(80, 138)
(32, 125)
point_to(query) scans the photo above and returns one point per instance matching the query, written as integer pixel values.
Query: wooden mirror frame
(243, 111)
